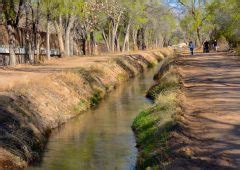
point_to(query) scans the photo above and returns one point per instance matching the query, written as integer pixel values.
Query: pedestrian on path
(191, 47)
(206, 47)
(215, 45)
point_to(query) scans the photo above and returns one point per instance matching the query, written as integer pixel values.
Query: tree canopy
(203, 20)
(83, 27)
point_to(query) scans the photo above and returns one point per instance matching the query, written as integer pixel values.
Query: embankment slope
(154, 126)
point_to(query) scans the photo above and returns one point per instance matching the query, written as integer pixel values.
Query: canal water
(102, 138)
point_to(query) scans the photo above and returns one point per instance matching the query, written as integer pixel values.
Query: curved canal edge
(102, 137)
(154, 126)
(30, 112)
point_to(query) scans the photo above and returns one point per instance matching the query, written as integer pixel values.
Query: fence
(4, 49)
(4, 53)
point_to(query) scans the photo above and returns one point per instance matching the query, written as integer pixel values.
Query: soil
(209, 134)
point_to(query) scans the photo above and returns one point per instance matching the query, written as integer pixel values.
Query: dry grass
(169, 81)
(9, 161)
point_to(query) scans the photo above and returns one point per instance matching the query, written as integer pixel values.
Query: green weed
(94, 100)
(169, 81)
(80, 106)
(153, 125)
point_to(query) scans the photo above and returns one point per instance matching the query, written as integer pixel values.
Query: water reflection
(101, 138)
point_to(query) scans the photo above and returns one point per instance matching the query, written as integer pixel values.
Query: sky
(175, 6)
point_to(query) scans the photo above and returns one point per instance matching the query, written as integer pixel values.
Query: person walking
(215, 45)
(191, 47)
(206, 47)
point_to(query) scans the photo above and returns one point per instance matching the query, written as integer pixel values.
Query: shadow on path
(212, 118)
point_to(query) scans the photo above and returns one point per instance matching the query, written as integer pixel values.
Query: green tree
(226, 24)
(196, 16)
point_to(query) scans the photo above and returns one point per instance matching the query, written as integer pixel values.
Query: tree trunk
(35, 30)
(30, 53)
(92, 43)
(156, 43)
(12, 18)
(134, 37)
(59, 29)
(67, 35)
(164, 42)
(38, 49)
(67, 43)
(84, 46)
(109, 37)
(105, 40)
(11, 41)
(128, 44)
(199, 36)
(115, 25)
(113, 39)
(139, 44)
(126, 39)
(118, 44)
(71, 45)
(48, 41)
(89, 47)
(29, 39)
(143, 39)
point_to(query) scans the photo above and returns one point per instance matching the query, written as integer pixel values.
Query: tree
(63, 15)
(196, 13)
(46, 8)
(139, 19)
(227, 23)
(12, 11)
(90, 21)
(161, 24)
(134, 17)
(114, 11)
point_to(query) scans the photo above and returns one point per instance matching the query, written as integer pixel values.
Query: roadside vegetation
(154, 124)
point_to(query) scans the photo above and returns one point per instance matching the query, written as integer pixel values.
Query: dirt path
(11, 77)
(212, 86)
(22, 74)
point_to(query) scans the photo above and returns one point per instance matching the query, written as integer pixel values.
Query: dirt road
(22, 74)
(212, 88)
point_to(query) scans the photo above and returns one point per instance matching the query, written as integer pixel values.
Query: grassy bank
(29, 112)
(154, 125)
